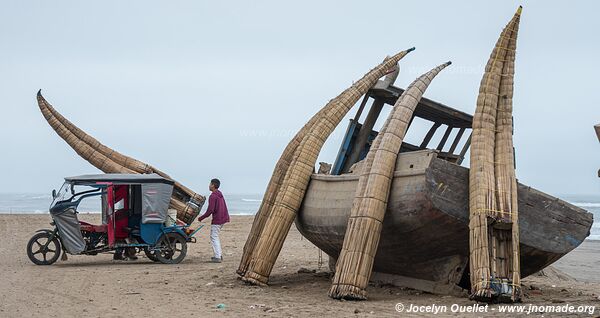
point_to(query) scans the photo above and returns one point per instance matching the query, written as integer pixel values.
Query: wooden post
(363, 134)
(361, 107)
(464, 151)
(456, 140)
(444, 138)
(429, 135)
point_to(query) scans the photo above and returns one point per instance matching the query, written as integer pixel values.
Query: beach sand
(96, 286)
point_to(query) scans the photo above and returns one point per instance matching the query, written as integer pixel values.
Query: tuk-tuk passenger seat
(132, 231)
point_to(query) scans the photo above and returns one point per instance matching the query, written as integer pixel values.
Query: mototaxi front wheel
(43, 249)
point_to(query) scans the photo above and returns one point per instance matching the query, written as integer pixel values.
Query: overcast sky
(218, 89)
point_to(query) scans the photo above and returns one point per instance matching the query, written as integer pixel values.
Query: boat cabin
(455, 125)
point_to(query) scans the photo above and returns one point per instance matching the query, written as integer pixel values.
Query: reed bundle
(276, 179)
(185, 201)
(493, 225)
(355, 263)
(266, 206)
(293, 185)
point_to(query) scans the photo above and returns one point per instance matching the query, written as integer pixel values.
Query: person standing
(218, 209)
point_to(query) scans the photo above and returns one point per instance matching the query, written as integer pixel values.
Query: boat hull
(425, 236)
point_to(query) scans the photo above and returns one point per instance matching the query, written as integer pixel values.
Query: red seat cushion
(93, 228)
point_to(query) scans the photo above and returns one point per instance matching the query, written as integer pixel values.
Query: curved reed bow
(185, 201)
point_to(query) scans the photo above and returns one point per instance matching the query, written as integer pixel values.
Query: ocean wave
(594, 238)
(251, 200)
(24, 212)
(587, 204)
(37, 197)
(242, 213)
(40, 212)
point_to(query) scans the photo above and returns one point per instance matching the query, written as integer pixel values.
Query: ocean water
(238, 204)
(19, 203)
(592, 205)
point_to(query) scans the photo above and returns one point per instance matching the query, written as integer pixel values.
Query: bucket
(171, 217)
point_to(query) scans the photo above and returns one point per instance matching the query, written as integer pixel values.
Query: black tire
(151, 255)
(35, 249)
(171, 248)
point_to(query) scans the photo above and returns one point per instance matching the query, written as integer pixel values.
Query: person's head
(214, 184)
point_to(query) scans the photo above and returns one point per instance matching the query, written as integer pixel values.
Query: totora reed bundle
(505, 246)
(185, 201)
(289, 194)
(276, 178)
(272, 190)
(354, 265)
(493, 225)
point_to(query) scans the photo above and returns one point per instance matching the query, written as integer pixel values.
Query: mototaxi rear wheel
(150, 254)
(171, 248)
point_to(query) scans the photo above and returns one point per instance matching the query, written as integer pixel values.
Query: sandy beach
(99, 287)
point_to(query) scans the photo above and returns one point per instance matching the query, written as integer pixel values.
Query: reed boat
(425, 238)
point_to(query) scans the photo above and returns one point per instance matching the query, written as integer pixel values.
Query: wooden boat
(425, 238)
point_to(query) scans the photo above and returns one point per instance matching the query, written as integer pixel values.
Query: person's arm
(212, 200)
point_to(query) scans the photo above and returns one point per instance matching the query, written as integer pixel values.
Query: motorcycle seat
(92, 227)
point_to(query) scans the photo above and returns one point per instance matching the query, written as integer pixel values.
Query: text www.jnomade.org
(508, 309)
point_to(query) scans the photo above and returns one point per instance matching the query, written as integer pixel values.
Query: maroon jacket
(217, 207)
